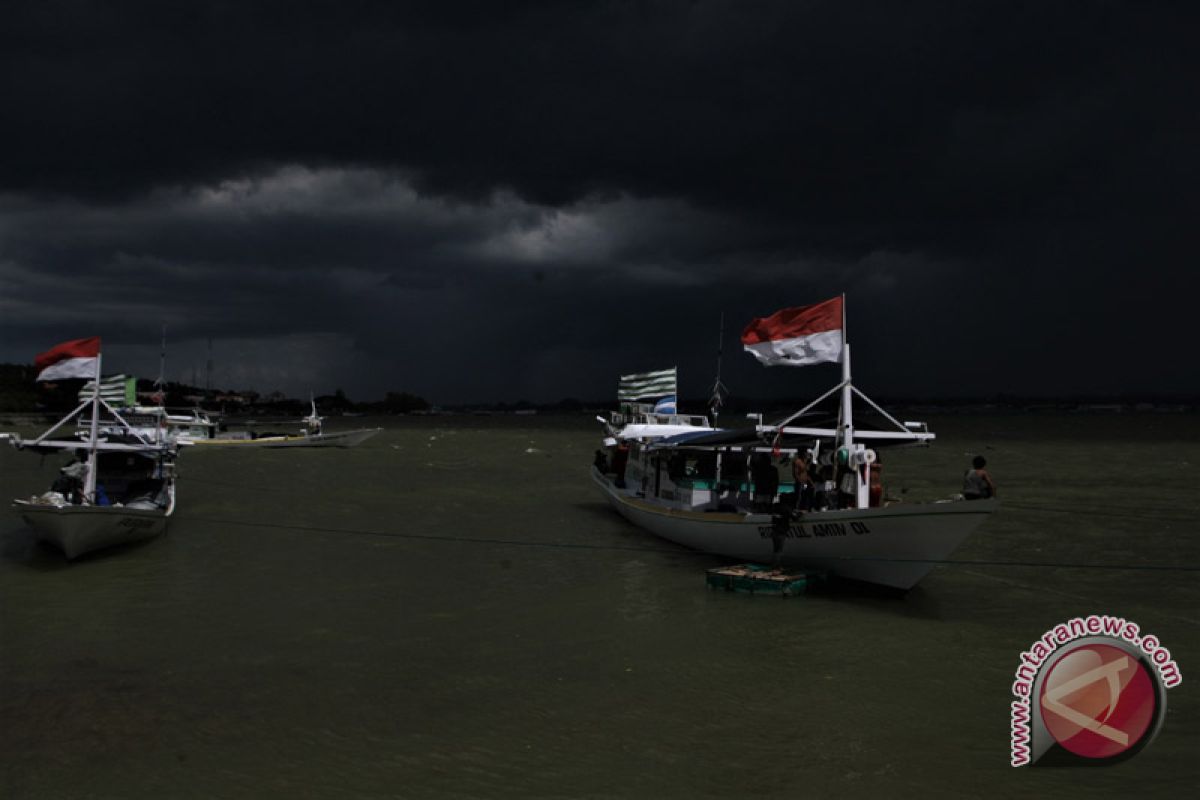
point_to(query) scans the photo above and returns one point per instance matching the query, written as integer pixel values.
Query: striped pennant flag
(647, 385)
(116, 390)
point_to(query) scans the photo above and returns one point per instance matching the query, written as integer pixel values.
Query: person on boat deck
(847, 487)
(619, 461)
(779, 531)
(803, 481)
(69, 483)
(766, 479)
(977, 483)
(875, 479)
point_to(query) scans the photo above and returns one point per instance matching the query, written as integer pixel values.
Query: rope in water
(630, 548)
(1097, 511)
(1092, 510)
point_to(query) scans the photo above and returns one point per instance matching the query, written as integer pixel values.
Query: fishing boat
(300, 439)
(119, 489)
(718, 490)
(311, 434)
(156, 424)
(196, 427)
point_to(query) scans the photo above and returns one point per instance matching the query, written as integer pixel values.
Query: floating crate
(756, 579)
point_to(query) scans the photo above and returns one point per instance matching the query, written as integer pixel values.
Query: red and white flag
(74, 359)
(797, 337)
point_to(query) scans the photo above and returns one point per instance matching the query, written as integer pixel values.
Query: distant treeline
(20, 393)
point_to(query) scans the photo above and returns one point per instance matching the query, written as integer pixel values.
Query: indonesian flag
(73, 359)
(797, 337)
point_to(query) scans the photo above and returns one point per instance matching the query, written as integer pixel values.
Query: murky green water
(319, 623)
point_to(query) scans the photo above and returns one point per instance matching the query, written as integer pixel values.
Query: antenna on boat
(160, 383)
(719, 389)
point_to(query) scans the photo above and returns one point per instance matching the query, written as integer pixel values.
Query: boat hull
(337, 439)
(894, 545)
(77, 530)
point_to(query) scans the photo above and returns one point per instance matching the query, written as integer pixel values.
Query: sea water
(452, 610)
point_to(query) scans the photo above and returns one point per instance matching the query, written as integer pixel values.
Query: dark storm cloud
(507, 199)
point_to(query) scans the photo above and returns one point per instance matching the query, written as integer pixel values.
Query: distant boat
(719, 491)
(311, 434)
(335, 439)
(198, 428)
(122, 487)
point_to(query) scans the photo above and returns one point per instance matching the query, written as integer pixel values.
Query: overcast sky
(503, 200)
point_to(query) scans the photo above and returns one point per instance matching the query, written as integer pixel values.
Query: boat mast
(89, 484)
(847, 390)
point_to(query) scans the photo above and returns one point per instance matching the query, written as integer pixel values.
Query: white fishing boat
(301, 439)
(311, 434)
(196, 427)
(712, 490)
(155, 424)
(121, 487)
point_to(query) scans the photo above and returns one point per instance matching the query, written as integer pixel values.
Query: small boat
(718, 490)
(196, 427)
(311, 434)
(121, 487)
(133, 496)
(302, 439)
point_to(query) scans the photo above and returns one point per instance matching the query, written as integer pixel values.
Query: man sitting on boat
(69, 482)
(977, 483)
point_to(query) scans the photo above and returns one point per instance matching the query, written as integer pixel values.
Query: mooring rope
(1097, 511)
(669, 551)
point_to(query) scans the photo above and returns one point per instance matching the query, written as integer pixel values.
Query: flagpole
(848, 413)
(847, 391)
(89, 485)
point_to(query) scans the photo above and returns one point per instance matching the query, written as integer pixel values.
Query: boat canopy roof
(794, 437)
(127, 446)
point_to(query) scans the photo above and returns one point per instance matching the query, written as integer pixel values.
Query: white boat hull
(336, 439)
(893, 545)
(77, 530)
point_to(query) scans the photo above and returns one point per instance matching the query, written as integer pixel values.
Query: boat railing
(651, 418)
